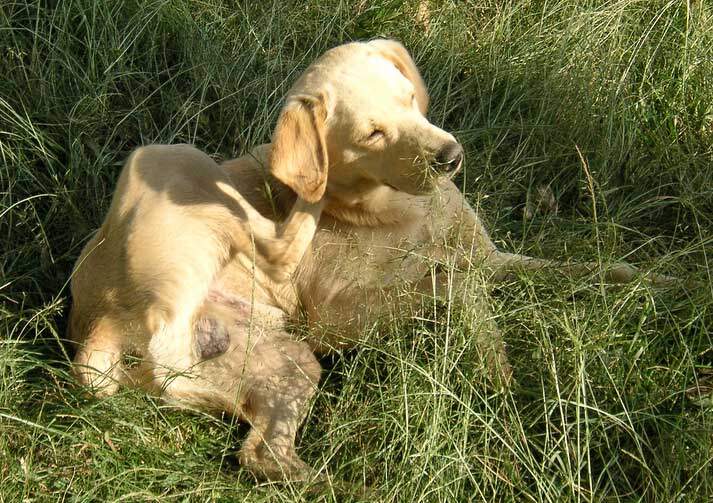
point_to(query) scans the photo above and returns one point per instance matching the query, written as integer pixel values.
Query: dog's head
(355, 121)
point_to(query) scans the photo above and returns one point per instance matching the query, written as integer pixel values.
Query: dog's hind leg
(283, 376)
(279, 246)
(265, 377)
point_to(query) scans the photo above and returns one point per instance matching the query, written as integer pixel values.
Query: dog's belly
(244, 310)
(226, 319)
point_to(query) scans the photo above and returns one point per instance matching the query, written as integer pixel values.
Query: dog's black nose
(449, 158)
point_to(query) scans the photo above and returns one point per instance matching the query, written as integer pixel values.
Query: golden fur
(189, 272)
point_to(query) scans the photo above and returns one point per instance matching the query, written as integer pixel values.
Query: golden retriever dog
(190, 273)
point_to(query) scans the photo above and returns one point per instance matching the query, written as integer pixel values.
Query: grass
(611, 103)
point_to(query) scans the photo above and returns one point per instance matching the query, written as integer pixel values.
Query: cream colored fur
(189, 258)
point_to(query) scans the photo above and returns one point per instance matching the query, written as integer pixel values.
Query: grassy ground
(600, 412)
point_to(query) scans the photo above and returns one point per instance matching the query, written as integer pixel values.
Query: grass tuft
(608, 103)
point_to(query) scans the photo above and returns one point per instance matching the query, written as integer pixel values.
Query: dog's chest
(368, 257)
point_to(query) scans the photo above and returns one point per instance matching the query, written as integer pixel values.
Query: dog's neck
(360, 205)
(374, 206)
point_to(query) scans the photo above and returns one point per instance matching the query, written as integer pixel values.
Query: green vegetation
(600, 412)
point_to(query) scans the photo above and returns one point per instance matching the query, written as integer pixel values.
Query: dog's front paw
(624, 273)
(661, 280)
(620, 272)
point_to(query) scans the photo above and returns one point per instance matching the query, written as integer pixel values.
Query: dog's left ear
(399, 56)
(298, 157)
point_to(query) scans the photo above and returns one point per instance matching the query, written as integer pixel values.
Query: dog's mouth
(452, 173)
(447, 169)
(428, 183)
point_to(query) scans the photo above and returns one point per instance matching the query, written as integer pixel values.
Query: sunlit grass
(610, 103)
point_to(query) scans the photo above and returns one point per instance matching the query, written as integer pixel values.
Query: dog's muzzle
(449, 159)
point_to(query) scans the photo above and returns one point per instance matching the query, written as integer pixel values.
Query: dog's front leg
(503, 264)
(473, 246)
(470, 293)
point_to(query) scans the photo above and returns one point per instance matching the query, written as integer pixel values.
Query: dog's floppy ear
(397, 53)
(299, 152)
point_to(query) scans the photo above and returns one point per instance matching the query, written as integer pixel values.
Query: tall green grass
(611, 103)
